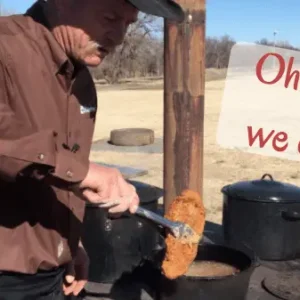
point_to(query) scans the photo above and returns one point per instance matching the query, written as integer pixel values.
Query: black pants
(45, 285)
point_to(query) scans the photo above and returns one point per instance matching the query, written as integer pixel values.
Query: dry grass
(144, 108)
(153, 83)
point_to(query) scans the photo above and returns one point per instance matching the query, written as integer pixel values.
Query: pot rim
(209, 278)
(253, 264)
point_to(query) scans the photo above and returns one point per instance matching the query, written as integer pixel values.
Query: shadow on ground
(103, 145)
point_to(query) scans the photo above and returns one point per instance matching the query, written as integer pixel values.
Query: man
(48, 105)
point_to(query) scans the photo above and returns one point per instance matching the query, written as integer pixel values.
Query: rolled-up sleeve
(23, 147)
(41, 150)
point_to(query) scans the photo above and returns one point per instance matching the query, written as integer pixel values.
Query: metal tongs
(179, 230)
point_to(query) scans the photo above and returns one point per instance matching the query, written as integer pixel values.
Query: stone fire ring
(132, 137)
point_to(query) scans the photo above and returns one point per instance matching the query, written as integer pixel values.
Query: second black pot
(264, 216)
(117, 246)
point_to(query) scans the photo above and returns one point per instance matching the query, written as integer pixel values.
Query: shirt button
(41, 156)
(69, 174)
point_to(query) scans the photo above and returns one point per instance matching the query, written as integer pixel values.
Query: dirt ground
(130, 106)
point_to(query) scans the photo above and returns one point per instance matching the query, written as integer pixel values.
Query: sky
(245, 21)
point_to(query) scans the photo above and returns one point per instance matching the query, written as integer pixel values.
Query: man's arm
(24, 150)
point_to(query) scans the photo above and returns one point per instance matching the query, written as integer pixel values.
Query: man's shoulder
(18, 31)
(18, 25)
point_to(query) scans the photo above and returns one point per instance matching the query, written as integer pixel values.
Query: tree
(218, 51)
(279, 44)
(138, 55)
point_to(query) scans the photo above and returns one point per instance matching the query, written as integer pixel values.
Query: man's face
(95, 27)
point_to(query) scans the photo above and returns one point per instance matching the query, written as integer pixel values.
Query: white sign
(260, 110)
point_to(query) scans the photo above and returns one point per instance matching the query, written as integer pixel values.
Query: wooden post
(184, 85)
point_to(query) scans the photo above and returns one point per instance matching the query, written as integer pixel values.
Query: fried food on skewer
(188, 208)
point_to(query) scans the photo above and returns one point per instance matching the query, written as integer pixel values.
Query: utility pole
(184, 85)
(274, 46)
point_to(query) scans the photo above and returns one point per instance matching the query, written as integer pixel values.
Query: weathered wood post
(184, 84)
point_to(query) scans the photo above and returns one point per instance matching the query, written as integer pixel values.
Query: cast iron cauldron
(117, 246)
(234, 287)
(263, 215)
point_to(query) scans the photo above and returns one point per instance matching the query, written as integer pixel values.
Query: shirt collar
(62, 64)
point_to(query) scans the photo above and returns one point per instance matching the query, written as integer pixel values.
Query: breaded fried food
(187, 208)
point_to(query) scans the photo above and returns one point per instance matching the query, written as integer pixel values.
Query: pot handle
(291, 215)
(267, 175)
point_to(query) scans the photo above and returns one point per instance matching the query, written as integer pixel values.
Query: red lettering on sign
(280, 137)
(282, 68)
(260, 65)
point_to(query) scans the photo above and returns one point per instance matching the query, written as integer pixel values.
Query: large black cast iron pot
(233, 287)
(263, 215)
(116, 246)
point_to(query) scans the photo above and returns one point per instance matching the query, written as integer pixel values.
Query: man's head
(88, 30)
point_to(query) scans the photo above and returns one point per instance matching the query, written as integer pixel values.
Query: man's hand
(77, 273)
(107, 187)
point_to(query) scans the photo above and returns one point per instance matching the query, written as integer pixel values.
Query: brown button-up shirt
(47, 116)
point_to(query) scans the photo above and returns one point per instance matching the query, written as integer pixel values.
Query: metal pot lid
(146, 192)
(284, 285)
(263, 190)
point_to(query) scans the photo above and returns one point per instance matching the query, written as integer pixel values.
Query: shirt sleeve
(23, 148)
